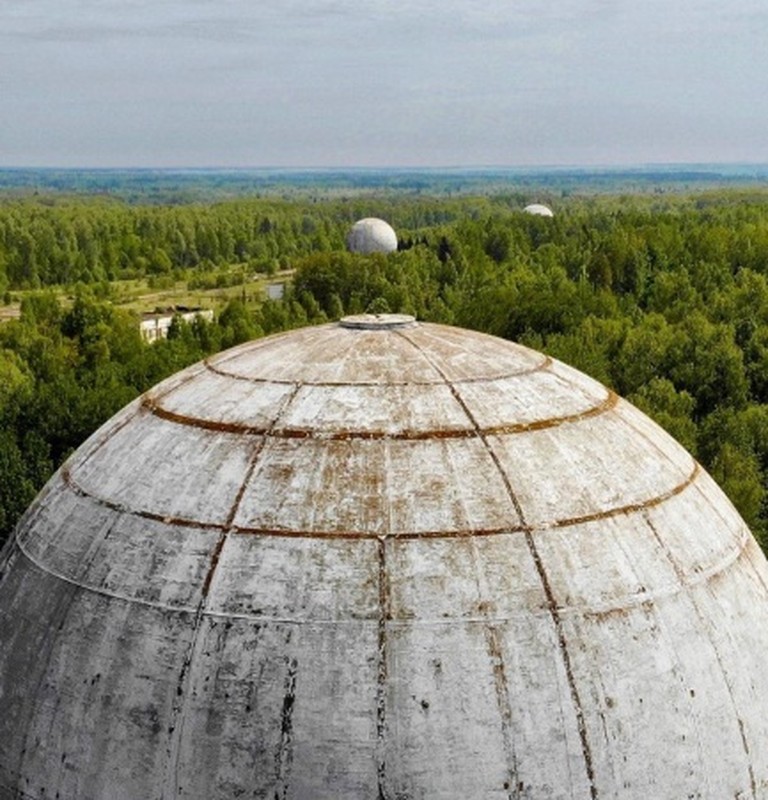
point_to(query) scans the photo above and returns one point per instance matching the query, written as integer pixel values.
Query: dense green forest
(662, 297)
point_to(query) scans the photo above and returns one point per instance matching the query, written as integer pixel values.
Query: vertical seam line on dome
(544, 363)
(543, 577)
(60, 614)
(284, 755)
(664, 456)
(705, 626)
(176, 722)
(652, 610)
(382, 671)
(493, 645)
(713, 506)
(568, 666)
(229, 524)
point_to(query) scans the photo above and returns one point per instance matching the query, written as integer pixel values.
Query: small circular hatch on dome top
(377, 321)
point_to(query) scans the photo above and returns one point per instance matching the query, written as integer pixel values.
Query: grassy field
(141, 296)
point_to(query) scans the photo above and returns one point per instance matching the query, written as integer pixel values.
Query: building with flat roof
(154, 325)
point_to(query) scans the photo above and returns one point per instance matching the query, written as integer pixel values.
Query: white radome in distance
(382, 559)
(372, 235)
(539, 210)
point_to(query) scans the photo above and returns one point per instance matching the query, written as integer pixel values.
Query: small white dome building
(372, 235)
(382, 559)
(538, 210)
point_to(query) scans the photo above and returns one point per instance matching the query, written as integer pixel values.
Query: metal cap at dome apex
(377, 321)
(382, 561)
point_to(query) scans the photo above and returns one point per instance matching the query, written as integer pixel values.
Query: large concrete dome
(372, 235)
(382, 559)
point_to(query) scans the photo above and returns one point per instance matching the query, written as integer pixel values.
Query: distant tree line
(47, 241)
(664, 299)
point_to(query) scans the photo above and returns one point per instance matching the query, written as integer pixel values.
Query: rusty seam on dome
(157, 410)
(245, 530)
(631, 507)
(71, 483)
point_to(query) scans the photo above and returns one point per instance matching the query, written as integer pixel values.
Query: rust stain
(617, 612)
(566, 657)
(375, 435)
(745, 744)
(243, 530)
(501, 687)
(198, 422)
(631, 507)
(357, 535)
(213, 564)
(284, 755)
(385, 613)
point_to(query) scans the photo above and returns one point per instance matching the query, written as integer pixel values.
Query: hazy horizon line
(629, 165)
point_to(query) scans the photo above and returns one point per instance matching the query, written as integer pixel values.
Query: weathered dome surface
(538, 210)
(372, 235)
(382, 559)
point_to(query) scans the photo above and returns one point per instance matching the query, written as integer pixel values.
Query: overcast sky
(171, 83)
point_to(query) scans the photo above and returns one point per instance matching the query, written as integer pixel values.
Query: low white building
(154, 325)
(275, 291)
